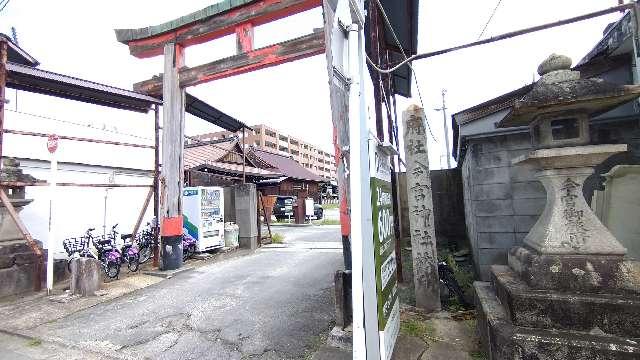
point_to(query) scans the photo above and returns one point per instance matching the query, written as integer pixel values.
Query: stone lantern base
(568, 293)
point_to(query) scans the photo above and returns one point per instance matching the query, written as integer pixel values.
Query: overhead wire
(500, 37)
(4, 5)
(78, 124)
(395, 37)
(489, 20)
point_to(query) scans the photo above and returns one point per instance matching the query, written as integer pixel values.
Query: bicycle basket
(73, 245)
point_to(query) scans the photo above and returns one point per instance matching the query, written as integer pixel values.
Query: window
(563, 129)
(270, 133)
(257, 142)
(295, 152)
(283, 138)
(270, 144)
(257, 130)
(284, 148)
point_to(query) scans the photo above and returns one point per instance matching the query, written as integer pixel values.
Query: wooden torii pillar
(170, 39)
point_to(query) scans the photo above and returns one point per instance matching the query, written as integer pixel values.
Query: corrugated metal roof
(286, 165)
(206, 112)
(36, 80)
(126, 35)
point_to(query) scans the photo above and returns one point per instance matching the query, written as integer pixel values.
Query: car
(318, 211)
(283, 208)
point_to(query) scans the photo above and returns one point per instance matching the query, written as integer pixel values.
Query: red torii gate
(218, 20)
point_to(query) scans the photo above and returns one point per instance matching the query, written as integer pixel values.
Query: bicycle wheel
(112, 269)
(145, 254)
(133, 264)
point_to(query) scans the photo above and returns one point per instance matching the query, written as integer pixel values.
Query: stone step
(506, 341)
(547, 309)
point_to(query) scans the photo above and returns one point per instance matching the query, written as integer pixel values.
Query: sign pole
(52, 146)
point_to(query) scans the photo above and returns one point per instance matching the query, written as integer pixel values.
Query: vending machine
(203, 216)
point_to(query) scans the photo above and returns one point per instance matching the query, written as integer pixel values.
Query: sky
(76, 38)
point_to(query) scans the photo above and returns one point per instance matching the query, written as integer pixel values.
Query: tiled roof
(286, 165)
(237, 169)
(199, 155)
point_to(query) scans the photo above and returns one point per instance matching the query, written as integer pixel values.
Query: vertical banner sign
(52, 146)
(384, 249)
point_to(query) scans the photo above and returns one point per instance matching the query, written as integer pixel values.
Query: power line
(4, 5)
(78, 124)
(490, 17)
(504, 36)
(395, 37)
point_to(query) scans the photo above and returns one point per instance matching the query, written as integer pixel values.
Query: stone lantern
(568, 292)
(18, 262)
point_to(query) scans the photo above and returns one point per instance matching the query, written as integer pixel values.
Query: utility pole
(446, 129)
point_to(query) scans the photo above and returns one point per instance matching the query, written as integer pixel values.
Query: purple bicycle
(108, 255)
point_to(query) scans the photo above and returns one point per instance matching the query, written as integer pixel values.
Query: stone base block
(611, 313)
(506, 341)
(86, 276)
(570, 273)
(249, 242)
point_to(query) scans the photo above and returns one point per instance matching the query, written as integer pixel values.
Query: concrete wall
(448, 205)
(502, 201)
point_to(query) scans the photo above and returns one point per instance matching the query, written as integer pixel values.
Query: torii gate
(170, 39)
(344, 32)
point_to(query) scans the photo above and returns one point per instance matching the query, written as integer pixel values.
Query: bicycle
(77, 248)
(108, 255)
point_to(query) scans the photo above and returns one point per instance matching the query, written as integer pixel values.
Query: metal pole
(446, 129)
(365, 329)
(3, 83)
(52, 233)
(156, 186)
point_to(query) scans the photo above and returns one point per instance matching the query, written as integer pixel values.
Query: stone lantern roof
(561, 90)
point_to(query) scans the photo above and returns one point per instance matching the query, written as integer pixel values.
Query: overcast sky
(77, 38)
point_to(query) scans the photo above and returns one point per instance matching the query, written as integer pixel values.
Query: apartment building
(316, 160)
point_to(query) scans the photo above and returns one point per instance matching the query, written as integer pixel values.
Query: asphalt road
(272, 304)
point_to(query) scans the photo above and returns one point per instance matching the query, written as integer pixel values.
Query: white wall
(79, 208)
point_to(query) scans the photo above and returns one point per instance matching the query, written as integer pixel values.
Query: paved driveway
(272, 304)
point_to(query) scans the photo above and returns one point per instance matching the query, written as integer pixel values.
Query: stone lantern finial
(557, 68)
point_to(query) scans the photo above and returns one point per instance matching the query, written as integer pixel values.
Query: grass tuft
(478, 355)
(417, 328)
(326, 222)
(277, 238)
(34, 342)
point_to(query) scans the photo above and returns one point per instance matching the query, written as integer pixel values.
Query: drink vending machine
(203, 216)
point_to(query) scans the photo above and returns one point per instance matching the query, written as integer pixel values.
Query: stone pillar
(86, 276)
(246, 215)
(421, 224)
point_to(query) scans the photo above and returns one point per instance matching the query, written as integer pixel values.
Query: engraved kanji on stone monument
(423, 243)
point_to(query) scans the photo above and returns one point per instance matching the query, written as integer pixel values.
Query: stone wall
(503, 201)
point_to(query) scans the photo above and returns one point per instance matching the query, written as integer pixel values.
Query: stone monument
(568, 292)
(19, 264)
(421, 219)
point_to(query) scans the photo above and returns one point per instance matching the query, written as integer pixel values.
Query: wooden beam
(147, 200)
(75, 138)
(299, 48)
(217, 26)
(244, 38)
